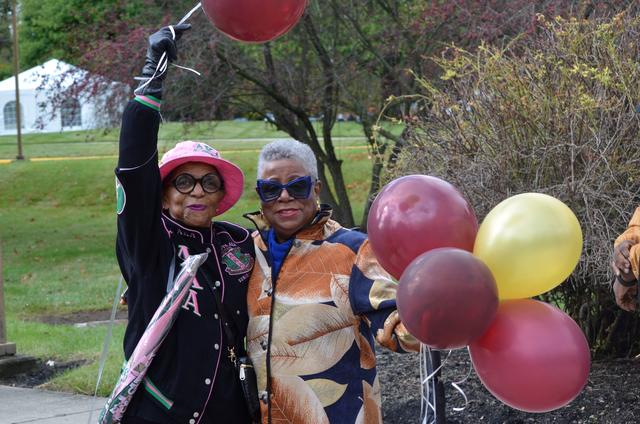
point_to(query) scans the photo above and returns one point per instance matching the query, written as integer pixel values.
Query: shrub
(554, 112)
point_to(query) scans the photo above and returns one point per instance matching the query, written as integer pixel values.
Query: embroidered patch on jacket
(236, 262)
(121, 197)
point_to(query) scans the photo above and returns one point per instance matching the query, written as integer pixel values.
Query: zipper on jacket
(319, 215)
(273, 302)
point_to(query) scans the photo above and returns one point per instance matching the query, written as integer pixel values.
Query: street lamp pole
(16, 71)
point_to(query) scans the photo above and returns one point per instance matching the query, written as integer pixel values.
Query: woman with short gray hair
(317, 299)
(289, 149)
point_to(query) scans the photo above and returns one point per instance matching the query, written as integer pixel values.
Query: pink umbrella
(140, 360)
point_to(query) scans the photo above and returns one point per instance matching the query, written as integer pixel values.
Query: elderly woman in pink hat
(165, 213)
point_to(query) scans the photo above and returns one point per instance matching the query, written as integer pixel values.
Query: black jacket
(191, 380)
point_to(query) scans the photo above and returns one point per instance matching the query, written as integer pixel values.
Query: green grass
(57, 226)
(222, 135)
(67, 343)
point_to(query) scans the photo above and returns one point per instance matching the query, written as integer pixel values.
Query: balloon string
(434, 372)
(428, 385)
(425, 405)
(191, 12)
(187, 69)
(456, 385)
(161, 68)
(428, 399)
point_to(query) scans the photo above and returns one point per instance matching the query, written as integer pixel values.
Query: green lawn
(222, 135)
(57, 227)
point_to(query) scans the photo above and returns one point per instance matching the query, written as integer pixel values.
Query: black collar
(181, 230)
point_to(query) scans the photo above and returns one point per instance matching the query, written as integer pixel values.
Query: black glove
(154, 69)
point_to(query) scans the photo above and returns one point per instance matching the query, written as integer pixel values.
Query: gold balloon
(531, 242)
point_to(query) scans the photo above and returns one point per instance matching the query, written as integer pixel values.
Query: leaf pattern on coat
(259, 360)
(382, 290)
(407, 341)
(367, 355)
(303, 287)
(258, 303)
(307, 281)
(310, 339)
(265, 270)
(327, 391)
(370, 412)
(367, 263)
(279, 309)
(293, 401)
(340, 295)
(257, 332)
(330, 227)
(327, 257)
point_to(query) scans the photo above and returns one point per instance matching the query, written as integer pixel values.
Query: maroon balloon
(254, 21)
(447, 297)
(533, 357)
(414, 214)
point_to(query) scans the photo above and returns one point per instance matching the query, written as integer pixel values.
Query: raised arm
(139, 133)
(138, 185)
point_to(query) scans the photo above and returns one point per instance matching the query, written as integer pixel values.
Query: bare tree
(349, 56)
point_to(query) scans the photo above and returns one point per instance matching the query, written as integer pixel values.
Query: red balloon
(447, 298)
(533, 357)
(414, 214)
(254, 21)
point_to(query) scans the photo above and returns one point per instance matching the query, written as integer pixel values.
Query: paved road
(22, 406)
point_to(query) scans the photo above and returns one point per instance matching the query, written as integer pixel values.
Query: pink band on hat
(193, 151)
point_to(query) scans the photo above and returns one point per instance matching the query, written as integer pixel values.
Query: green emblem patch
(236, 262)
(121, 197)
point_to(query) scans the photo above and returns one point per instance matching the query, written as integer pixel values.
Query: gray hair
(289, 149)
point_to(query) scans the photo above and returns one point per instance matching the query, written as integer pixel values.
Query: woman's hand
(621, 264)
(161, 51)
(625, 296)
(624, 289)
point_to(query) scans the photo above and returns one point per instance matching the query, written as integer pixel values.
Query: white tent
(45, 101)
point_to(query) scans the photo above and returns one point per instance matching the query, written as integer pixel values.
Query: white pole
(16, 71)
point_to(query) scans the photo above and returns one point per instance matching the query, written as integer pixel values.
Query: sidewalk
(19, 405)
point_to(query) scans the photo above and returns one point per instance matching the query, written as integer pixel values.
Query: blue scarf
(278, 252)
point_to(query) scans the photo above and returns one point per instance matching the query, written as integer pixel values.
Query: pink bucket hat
(193, 151)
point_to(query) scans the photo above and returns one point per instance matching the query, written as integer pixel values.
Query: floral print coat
(632, 233)
(312, 327)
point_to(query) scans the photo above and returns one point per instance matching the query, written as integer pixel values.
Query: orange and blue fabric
(312, 326)
(632, 233)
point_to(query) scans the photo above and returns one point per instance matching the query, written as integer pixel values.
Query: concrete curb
(21, 406)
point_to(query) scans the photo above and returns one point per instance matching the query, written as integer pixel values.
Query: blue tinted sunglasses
(270, 190)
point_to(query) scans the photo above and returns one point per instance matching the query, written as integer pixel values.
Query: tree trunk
(376, 171)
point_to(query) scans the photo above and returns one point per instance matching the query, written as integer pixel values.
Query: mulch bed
(80, 317)
(43, 372)
(612, 394)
